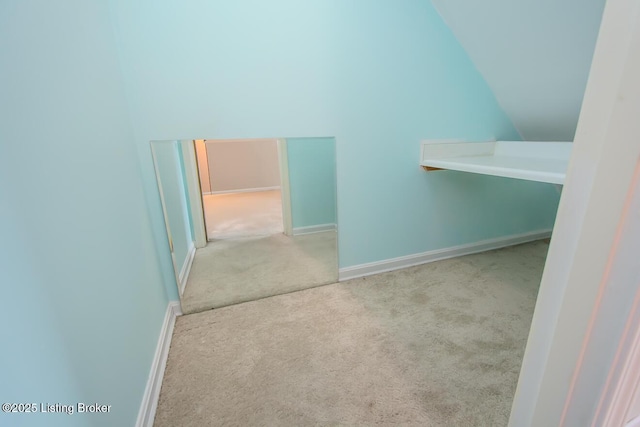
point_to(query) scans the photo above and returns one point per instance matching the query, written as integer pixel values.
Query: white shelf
(529, 160)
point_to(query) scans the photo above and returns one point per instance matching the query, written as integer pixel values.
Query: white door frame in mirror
(285, 188)
(194, 192)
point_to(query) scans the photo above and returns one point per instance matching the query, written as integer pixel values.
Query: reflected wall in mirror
(248, 219)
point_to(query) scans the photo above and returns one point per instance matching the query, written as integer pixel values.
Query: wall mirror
(248, 218)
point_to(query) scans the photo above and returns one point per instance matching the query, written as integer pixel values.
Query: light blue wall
(535, 55)
(377, 75)
(312, 176)
(83, 297)
(170, 170)
(33, 348)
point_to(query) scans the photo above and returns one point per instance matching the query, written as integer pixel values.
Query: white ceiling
(534, 54)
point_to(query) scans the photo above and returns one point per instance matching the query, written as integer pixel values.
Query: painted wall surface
(32, 339)
(377, 75)
(82, 290)
(243, 164)
(535, 55)
(203, 166)
(312, 176)
(171, 175)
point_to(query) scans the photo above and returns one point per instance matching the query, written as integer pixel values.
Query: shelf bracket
(430, 169)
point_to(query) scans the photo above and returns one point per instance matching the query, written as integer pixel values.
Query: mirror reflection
(248, 219)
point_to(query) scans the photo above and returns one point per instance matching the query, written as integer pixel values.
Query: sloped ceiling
(534, 54)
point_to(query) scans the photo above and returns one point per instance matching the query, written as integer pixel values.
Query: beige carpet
(231, 271)
(233, 215)
(433, 345)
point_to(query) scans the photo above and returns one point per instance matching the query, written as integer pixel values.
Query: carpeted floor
(233, 215)
(232, 271)
(434, 345)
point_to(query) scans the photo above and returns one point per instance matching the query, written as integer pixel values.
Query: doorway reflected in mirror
(261, 213)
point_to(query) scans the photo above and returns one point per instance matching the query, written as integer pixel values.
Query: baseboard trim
(186, 268)
(245, 190)
(149, 404)
(297, 231)
(391, 264)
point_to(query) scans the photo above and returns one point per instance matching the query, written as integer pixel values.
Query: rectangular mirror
(248, 219)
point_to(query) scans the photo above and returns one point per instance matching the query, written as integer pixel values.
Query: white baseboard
(186, 268)
(149, 404)
(244, 190)
(368, 269)
(313, 229)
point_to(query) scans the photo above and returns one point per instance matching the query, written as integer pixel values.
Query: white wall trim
(572, 341)
(391, 264)
(245, 190)
(314, 229)
(285, 187)
(623, 383)
(186, 268)
(149, 404)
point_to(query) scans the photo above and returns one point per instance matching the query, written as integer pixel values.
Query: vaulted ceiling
(534, 54)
